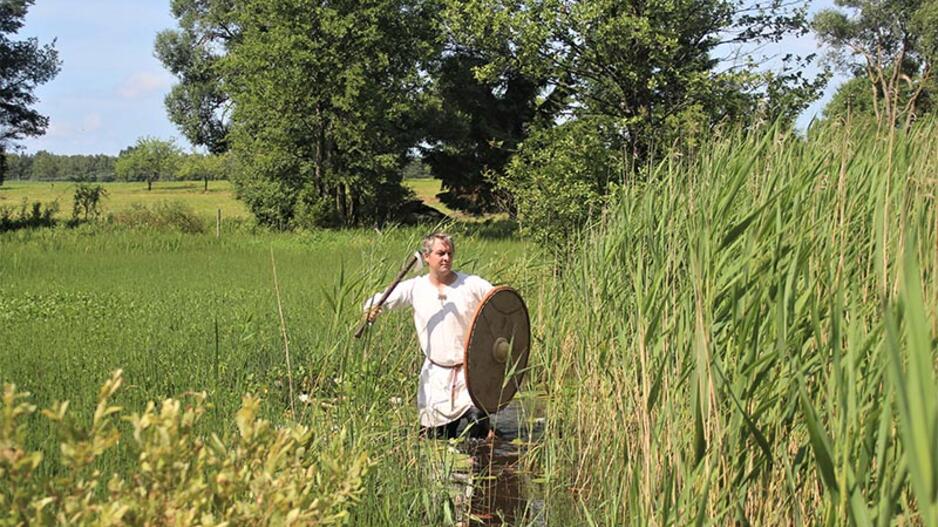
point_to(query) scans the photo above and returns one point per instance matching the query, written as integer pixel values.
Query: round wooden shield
(497, 348)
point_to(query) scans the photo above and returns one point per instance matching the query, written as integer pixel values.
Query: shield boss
(497, 348)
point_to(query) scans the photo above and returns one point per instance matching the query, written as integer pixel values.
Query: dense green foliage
(24, 65)
(322, 100)
(561, 179)
(750, 335)
(150, 159)
(44, 166)
(323, 108)
(649, 65)
(474, 126)
(198, 104)
(323, 103)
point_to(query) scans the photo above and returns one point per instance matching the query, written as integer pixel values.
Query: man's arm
(401, 296)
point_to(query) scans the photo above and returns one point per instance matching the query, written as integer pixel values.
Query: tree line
(541, 108)
(149, 160)
(323, 103)
(536, 107)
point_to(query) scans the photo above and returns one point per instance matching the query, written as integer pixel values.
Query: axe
(412, 260)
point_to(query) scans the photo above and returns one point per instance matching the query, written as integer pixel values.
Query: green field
(120, 196)
(189, 313)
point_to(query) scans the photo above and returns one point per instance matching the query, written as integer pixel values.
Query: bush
(560, 179)
(271, 202)
(313, 211)
(29, 215)
(261, 475)
(164, 215)
(86, 204)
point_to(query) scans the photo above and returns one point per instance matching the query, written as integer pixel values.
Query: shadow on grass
(28, 216)
(490, 229)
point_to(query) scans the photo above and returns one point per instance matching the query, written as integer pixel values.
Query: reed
(747, 337)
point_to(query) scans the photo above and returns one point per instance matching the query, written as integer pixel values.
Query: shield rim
(475, 317)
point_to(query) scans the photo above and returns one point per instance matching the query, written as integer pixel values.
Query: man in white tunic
(444, 302)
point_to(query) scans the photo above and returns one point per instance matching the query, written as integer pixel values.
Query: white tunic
(442, 321)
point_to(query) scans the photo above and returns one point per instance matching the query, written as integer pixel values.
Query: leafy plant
(560, 180)
(86, 203)
(260, 475)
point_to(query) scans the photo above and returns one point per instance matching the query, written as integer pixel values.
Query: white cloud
(143, 83)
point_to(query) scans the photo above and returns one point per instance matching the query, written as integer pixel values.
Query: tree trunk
(205, 180)
(149, 184)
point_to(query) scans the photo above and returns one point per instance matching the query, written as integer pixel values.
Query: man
(444, 302)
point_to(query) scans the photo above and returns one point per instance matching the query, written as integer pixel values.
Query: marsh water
(495, 484)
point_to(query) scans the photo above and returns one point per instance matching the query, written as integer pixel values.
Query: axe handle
(387, 292)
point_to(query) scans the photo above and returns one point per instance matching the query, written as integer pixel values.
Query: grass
(187, 313)
(122, 195)
(220, 195)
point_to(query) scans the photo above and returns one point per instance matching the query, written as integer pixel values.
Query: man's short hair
(432, 237)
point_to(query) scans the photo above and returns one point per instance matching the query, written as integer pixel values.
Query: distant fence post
(218, 224)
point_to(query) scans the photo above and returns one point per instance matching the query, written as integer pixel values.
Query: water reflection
(498, 486)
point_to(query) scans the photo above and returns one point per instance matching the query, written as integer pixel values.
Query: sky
(111, 88)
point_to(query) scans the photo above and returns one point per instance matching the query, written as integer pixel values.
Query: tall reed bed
(749, 338)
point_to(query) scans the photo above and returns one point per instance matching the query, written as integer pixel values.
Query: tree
(651, 65)
(198, 104)
(204, 167)
(325, 107)
(46, 167)
(24, 65)
(321, 98)
(561, 179)
(474, 128)
(19, 166)
(150, 159)
(893, 44)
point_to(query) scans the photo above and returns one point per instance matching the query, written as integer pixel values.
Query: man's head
(438, 251)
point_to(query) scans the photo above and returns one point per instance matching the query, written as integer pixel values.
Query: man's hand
(373, 314)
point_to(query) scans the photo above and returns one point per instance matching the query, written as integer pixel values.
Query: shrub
(560, 179)
(271, 202)
(313, 211)
(86, 203)
(261, 475)
(164, 215)
(29, 215)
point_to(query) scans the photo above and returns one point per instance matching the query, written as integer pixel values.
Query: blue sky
(111, 88)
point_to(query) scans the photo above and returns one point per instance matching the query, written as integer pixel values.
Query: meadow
(122, 195)
(745, 337)
(184, 313)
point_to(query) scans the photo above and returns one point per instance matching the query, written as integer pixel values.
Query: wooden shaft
(387, 292)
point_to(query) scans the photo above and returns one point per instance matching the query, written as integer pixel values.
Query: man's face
(440, 259)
